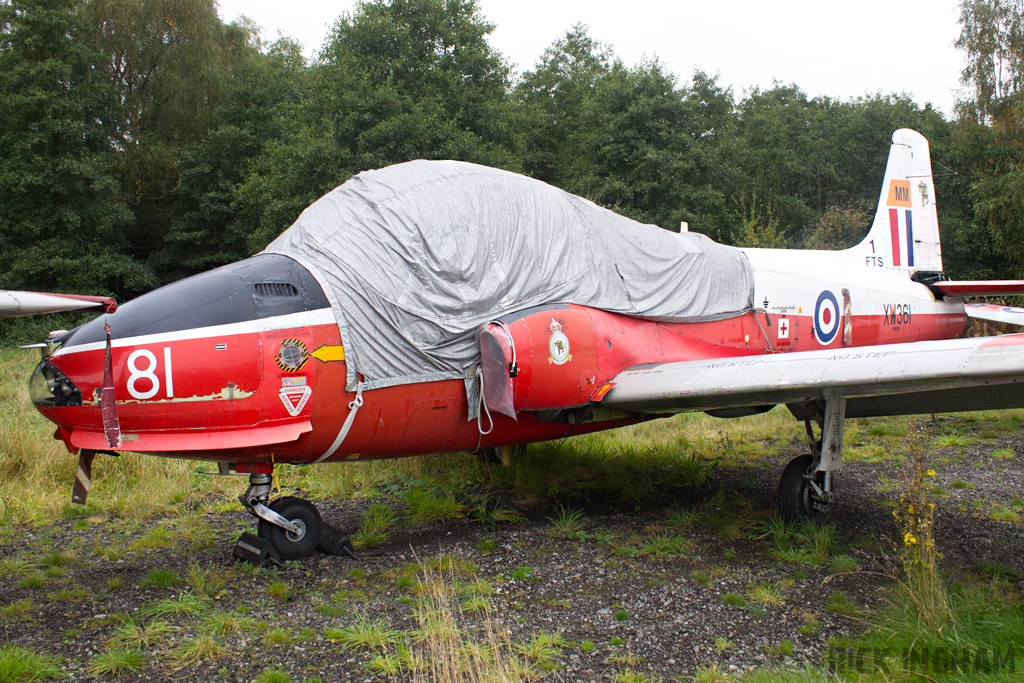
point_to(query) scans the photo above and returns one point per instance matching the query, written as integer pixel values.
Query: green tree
(989, 141)
(62, 213)
(992, 36)
(168, 62)
(629, 138)
(551, 101)
(396, 80)
(211, 225)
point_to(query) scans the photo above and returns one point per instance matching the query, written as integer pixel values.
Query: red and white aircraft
(245, 365)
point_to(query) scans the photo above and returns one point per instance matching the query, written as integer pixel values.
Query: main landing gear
(289, 528)
(806, 487)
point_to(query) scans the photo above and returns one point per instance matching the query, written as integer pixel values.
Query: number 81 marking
(148, 373)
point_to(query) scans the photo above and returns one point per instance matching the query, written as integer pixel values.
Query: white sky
(840, 49)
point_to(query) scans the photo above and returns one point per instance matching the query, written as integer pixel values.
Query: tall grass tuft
(915, 516)
(973, 630)
(445, 652)
(375, 528)
(22, 665)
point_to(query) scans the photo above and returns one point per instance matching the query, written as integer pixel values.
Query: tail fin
(905, 232)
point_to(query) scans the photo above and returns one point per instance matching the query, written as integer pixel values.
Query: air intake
(275, 289)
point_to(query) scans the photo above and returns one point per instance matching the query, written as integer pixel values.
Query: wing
(13, 303)
(980, 373)
(1011, 315)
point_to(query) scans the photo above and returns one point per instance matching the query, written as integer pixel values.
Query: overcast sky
(840, 49)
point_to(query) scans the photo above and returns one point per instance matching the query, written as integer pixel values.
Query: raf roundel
(826, 318)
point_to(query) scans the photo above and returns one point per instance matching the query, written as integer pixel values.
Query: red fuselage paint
(238, 397)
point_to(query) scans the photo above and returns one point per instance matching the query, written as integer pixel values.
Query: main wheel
(302, 514)
(795, 501)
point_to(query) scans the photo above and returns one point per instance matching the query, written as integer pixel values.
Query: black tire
(300, 512)
(794, 492)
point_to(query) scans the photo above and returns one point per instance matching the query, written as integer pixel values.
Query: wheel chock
(256, 550)
(333, 541)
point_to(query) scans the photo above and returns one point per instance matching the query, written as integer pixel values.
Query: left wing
(980, 373)
(13, 303)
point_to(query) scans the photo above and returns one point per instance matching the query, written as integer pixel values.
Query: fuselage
(246, 364)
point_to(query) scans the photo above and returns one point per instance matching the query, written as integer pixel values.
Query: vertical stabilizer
(905, 232)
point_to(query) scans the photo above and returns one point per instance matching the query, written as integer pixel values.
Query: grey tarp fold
(416, 257)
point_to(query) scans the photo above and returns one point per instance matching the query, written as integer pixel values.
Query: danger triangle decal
(295, 398)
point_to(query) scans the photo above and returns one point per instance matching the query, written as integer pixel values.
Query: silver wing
(980, 373)
(15, 303)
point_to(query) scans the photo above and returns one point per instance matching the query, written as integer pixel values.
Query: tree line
(146, 140)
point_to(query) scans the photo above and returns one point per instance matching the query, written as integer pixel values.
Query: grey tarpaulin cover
(416, 257)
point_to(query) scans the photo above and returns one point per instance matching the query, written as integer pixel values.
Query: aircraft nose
(173, 349)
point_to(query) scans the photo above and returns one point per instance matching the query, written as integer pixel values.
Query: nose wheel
(292, 526)
(304, 536)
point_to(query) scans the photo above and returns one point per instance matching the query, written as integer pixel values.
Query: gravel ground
(664, 616)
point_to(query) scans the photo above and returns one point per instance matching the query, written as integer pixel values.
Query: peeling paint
(229, 393)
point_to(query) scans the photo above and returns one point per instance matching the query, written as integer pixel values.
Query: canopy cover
(415, 258)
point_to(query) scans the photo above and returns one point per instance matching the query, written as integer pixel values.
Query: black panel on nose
(263, 286)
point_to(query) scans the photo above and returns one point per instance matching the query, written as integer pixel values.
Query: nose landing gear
(289, 528)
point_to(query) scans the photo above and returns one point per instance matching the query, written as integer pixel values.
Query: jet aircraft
(442, 306)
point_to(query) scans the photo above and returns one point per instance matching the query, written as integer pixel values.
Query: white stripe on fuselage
(321, 316)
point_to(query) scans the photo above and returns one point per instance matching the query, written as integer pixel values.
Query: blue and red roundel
(827, 318)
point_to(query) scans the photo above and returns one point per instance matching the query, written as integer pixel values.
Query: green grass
(191, 652)
(363, 633)
(840, 603)
(205, 581)
(280, 591)
(734, 600)
(375, 527)
(567, 523)
(185, 604)
(23, 665)
(277, 636)
(136, 635)
(663, 545)
(117, 661)
(17, 608)
(161, 578)
(223, 623)
(767, 595)
(431, 506)
(799, 542)
(981, 621)
(274, 676)
(542, 649)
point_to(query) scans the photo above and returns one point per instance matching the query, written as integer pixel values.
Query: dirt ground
(639, 591)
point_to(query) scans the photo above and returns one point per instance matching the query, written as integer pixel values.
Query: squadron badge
(558, 345)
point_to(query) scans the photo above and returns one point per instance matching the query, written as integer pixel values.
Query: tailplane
(905, 232)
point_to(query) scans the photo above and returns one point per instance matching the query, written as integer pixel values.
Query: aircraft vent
(275, 289)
